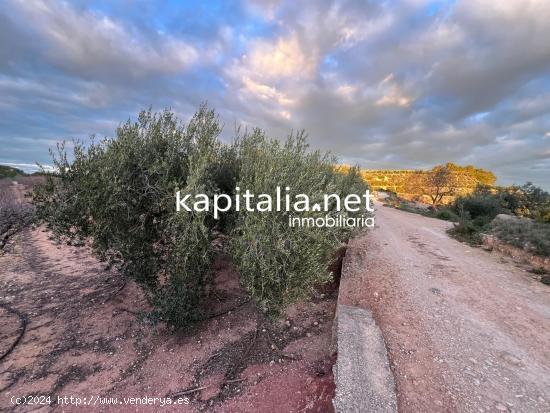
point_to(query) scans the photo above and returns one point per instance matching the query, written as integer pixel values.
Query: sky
(384, 84)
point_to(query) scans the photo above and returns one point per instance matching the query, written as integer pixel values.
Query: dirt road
(466, 330)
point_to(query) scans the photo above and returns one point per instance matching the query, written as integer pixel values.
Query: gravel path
(466, 330)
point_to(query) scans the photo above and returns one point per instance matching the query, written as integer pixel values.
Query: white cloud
(283, 58)
(392, 93)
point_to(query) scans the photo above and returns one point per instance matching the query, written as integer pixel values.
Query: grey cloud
(92, 46)
(469, 60)
(382, 85)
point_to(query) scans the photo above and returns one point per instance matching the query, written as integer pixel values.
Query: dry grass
(528, 235)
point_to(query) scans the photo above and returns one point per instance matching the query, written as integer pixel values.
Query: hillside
(10, 172)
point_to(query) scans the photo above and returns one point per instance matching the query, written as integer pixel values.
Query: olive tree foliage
(119, 195)
(278, 264)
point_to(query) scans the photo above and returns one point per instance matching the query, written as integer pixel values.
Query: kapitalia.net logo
(301, 212)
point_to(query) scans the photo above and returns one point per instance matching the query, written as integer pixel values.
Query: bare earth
(466, 330)
(84, 338)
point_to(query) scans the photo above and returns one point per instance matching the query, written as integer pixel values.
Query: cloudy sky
(386, 84)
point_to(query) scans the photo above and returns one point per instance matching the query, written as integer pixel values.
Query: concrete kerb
(362, 374)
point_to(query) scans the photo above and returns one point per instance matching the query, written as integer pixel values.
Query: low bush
(527, 201)
(445, 214)
(120, 195)
(526, 234)
(483, 207)
(538, 271)
(466, 230)
(279, 264)
(478, 210)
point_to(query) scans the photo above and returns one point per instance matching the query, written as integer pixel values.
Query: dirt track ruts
(466, 330)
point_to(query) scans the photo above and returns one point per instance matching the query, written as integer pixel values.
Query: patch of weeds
(443, 213)
(538, 271)
(528, 235)
(466, 231)
(544, 274)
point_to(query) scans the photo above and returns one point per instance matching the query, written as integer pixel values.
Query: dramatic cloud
(384, 84)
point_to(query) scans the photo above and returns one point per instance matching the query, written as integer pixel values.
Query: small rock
(501, 407)
(511, 359)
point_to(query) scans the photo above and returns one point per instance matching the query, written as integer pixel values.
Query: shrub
(526, 201)
(279, 264)
(120, 194)
(479, 209)
(445, 214)
(179, 299)
(532, 202)
(525, 234)
(466, 231)
(483, 207)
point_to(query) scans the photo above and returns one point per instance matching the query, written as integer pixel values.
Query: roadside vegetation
(527, 206)
(528, 235)
(522, 212)
(444, 212)
(119, 195)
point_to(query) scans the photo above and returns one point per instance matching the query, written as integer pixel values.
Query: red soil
(84, 338)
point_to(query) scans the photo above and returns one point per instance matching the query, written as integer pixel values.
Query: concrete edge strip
(362, 374)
